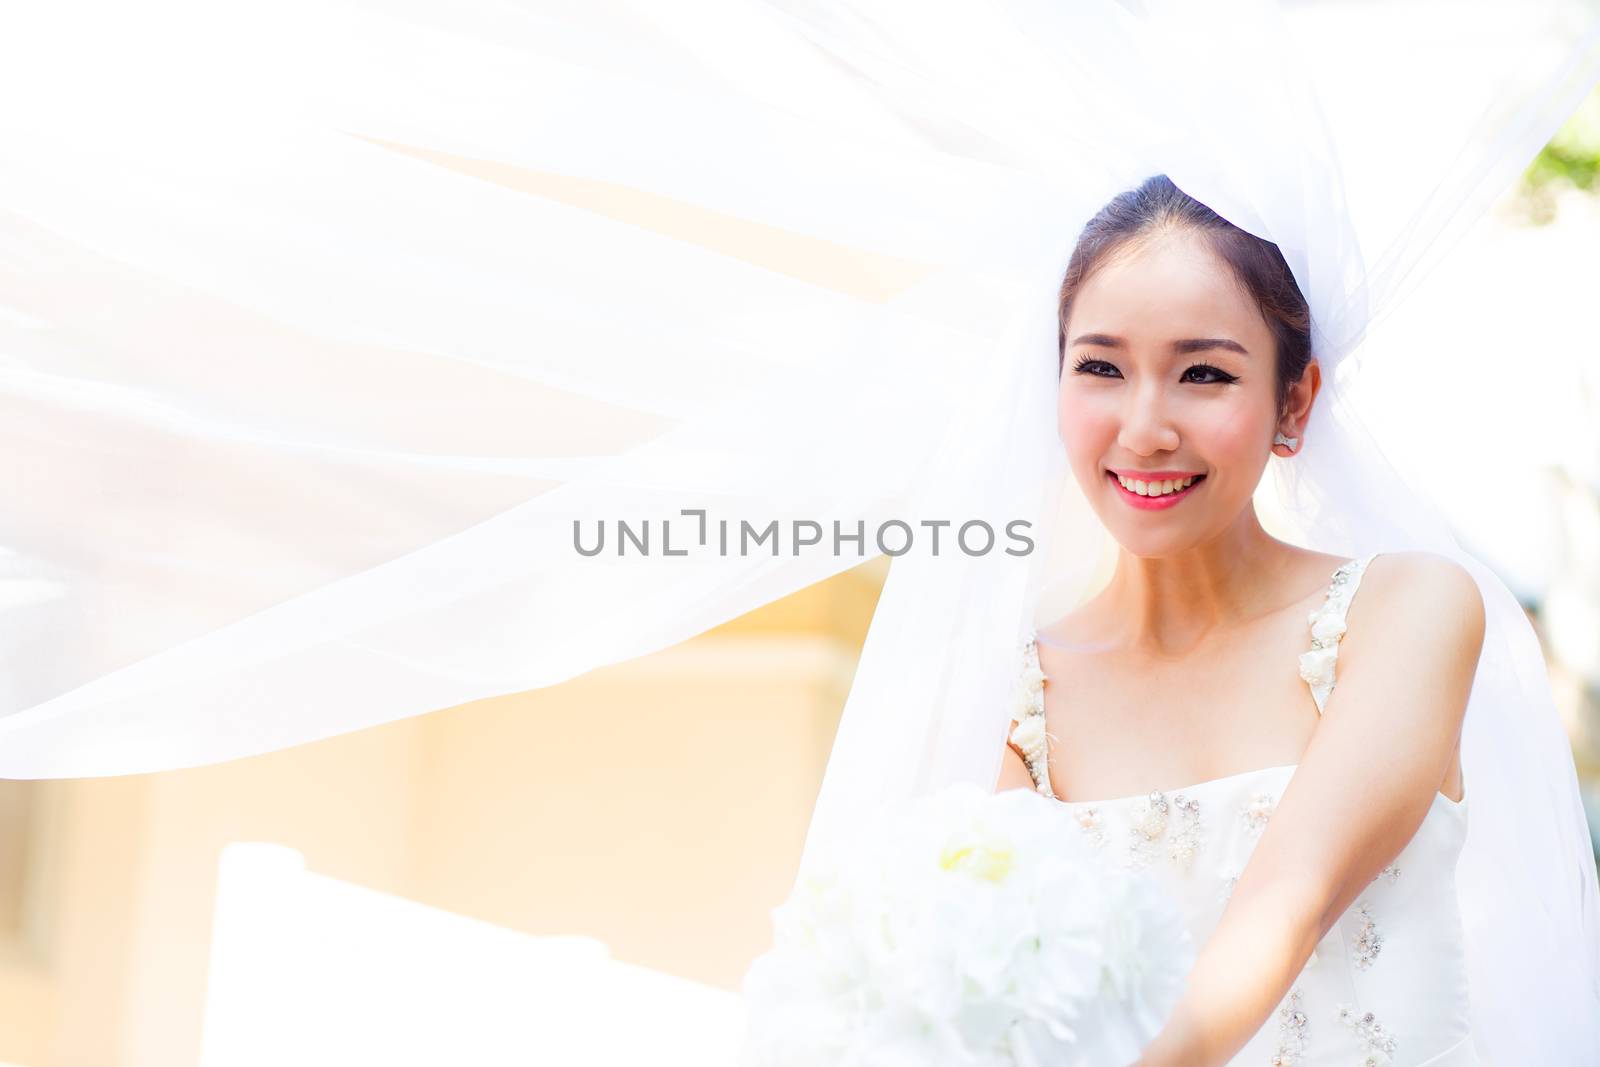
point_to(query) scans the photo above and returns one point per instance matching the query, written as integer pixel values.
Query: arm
(1013, 772)
(1368, 778)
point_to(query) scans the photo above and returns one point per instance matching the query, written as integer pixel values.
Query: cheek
(1228, 433)
(1084, 425)
(1087, 426)
(1223, 435)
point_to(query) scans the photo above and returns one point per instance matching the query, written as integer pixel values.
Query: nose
(1146, 428)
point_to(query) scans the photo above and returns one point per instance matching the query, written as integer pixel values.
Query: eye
(1220, 376)
(1084, 362)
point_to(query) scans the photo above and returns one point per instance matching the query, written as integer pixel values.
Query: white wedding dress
(1387, 984)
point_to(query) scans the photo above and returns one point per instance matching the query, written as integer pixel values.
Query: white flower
(1029, 690)
(1032, 678)
(965, 928)
(1028, 734)
(1327, 625)
(1316, 666)
(1025, 707)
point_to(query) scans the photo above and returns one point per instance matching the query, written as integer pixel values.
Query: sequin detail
(1292, 1024)
(1258, 811)
(1377, 1045)
(1092, 823)
(1327, 627)
(1186, 839)
(1369, 940)
(1029, 734)
(1149, 822)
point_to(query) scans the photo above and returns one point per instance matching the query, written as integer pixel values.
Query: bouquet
(966, 929)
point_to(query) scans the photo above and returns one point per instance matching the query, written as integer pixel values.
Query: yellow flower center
(980, 861)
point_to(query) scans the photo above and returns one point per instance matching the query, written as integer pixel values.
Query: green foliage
(1570, 160)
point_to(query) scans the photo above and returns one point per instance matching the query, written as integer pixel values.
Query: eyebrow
(1183, 347)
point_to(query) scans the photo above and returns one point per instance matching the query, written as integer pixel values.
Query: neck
(1166, 606)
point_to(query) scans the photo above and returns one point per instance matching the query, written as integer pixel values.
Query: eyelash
(1222, 376)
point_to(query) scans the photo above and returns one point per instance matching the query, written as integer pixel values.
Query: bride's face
(1170, 372)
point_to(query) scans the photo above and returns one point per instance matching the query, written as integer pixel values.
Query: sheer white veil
(324, 322)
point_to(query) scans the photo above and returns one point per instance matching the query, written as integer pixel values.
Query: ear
(1297, 409)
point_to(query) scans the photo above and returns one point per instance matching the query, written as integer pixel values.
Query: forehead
(1170, 285)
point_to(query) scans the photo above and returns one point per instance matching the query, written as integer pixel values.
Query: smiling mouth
(1156, 494)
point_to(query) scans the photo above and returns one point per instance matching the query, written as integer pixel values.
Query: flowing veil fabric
(323, 323)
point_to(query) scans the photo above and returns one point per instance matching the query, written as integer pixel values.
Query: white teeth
(1161, 488)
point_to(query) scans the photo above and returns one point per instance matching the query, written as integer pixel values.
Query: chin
(1146, 547)
(1148, 542)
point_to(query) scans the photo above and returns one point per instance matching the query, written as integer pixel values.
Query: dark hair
(1158, 206)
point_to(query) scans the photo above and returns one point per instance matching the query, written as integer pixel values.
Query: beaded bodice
(1387, 983)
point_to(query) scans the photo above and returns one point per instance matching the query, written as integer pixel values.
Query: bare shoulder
(1427, 577)
(1420, 599)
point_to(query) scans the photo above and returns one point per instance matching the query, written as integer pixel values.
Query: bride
(309, 378)
(1185, 359)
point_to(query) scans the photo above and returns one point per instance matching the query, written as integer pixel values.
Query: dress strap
(1028, 735)
(1328, 626)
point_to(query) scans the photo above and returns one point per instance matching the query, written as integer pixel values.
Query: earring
(1292, 442)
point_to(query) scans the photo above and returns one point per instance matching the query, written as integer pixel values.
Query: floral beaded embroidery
(1369, 941)
(1256, 813)
(1149, 822)
(1185, 841)
(1029, 733)
(1291, 1031)
(1376, 1044)
(1327, 626)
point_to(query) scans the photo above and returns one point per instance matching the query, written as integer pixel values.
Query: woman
(1186, 355)
(740, 256)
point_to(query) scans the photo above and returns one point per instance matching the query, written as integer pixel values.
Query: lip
(1154, 503)
(1155, 476)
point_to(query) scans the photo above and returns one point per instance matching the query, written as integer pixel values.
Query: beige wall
(658, 805)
